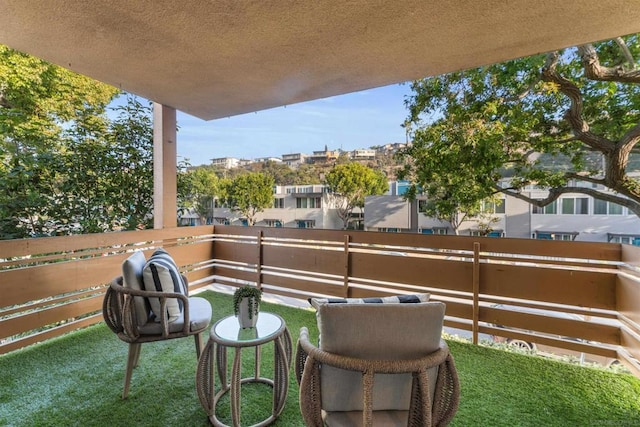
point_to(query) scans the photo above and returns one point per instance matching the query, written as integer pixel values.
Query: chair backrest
(132, 269)
(376, 332)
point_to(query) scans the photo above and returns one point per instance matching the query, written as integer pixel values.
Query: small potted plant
(246, 305)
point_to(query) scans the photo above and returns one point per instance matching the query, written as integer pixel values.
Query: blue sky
(357, 120)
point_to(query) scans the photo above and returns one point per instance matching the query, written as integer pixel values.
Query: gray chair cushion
(199, 318)
(132, 275)
(376, 332)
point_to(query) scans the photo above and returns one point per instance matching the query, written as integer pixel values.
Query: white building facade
(294, 160)
(225, 162)
(294, 206)
(574, 217)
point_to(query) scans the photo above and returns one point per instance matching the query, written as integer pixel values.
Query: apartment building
(574, 217)
(267, 159)
(295, 206)
(325, 156)
(363, 154)
(294, 160)
(226, 162)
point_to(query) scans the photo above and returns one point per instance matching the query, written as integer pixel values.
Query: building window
(440, 230)
(602, 207)
(497, 207)
(629, 239)
(422, 205)
(550, 209)
(402, 188)
(308, 202)
(278, 203)
(221, 221)
(426, 231)
(306, 223)
(615, 209)
(575, 206)
(543, 236)
(552, 235)
(563, 236)
(492, 233)
(273, 223)
(599, 207)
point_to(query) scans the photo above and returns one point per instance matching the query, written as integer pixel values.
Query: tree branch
(630, 138)
(520, 96)
(587, 178)
(625, 51)
(555, 193)
(596, 71)
(573, 115)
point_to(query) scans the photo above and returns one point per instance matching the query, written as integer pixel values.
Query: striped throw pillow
(161, 274)
(397, 299)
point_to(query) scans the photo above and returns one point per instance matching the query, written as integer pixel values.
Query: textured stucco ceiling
(214, 58)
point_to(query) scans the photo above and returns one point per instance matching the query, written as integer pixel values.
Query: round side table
(227, 333)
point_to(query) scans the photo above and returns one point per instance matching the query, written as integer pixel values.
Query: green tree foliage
(130, 183)
(64, 166)
(553, 120)
(248, 194)
(197, 189)
(349, 183)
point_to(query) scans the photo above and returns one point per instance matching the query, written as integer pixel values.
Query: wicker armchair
(382, 368)
(126, 312)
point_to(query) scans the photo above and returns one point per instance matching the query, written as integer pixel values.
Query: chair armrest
(301, 354)
(128, 310)
(186, 284)
(308, 377)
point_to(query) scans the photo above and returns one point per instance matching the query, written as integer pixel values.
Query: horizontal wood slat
(572, 287)
(19, 286)
(191, 253)
(564, 326)
(628, 297)
(50, 333)
(304, 285)
(313, 260)
(452, 275)
(553, 342)
(236, 274)
(48, 316)
(45, 245)
(235, 251)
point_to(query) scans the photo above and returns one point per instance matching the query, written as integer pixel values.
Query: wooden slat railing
(578, 296)
(49, 286)
(552, 293)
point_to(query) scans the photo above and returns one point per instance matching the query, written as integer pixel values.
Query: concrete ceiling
(218, 58)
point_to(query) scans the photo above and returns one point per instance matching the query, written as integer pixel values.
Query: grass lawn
(76, 380)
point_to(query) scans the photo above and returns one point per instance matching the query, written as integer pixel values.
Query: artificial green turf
(76, 380)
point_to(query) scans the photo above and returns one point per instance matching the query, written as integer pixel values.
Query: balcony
(52, 286)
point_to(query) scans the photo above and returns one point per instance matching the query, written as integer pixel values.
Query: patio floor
(77, 380)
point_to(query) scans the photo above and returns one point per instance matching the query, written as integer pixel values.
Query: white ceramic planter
(243, 315)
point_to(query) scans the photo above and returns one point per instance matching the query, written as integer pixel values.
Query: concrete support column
(164, 167)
